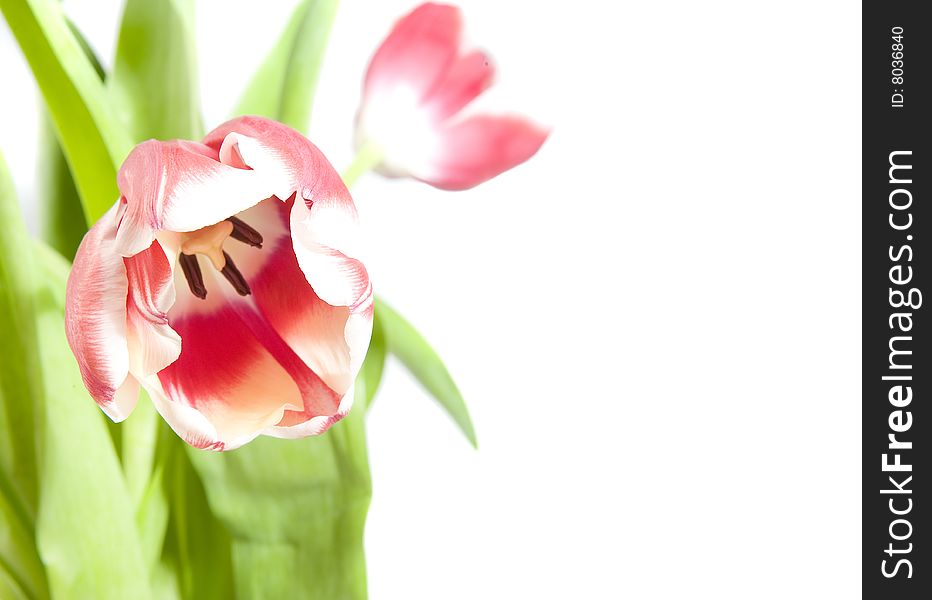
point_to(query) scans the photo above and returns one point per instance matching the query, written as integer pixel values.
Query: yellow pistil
(209, 242)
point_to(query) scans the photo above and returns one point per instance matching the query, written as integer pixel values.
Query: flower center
(208, 241)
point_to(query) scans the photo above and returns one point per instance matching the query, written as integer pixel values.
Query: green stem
(368, 157)
(295, 510)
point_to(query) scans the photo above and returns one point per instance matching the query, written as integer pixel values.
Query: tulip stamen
(234, 276)
(192, 272)
(244, 233)
(208, 241)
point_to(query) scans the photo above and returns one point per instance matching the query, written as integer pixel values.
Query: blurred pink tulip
(263, 327)
(417, 85)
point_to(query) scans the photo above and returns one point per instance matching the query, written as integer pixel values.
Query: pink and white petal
(358, 335)
(153, 344)
(95, 316)
(324, 225)
(236, 371)
(314, 329)
(288, 160)
(338, 281)
(320, 402)
(476, 149)
(468, 76)
(324, 237)
(124, 400)
(190, 425)
(279, 165)
(326, 255)
(225, 374)
(181, 186)
(315, 425)
(416, 54)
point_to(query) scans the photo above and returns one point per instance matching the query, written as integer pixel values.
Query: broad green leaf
(283, 87)
(370, 376)
(9, 587)
(85, 527)
(152, 513)
(21, 571)
(154, 80)
(404, 341)
(197, 546)
(91, 135)
(86, 48)
(20, 378)
(62, 217)
(138, 441)
(296, 510)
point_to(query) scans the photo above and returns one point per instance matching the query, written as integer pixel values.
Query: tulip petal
(298, 425)
(182, 186)
(95, 317)
(290, 163)
(237, 373)
(323, 236)
(324, 225)
(478, 148)
(416, 53)
(124, 400)
(322, 334)
(225, 374)
(153, 344)
(186, 421)
(320, 221)
(321, 405)
(466, 78)
(321, 233)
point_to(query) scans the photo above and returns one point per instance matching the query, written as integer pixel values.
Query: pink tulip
(416, 88)
(226, 282)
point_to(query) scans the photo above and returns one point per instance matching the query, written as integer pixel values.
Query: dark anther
(235, 278)
(244, 233)
(192, 272)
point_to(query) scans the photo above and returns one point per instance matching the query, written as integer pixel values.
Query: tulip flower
(412, 122)
(226, 282)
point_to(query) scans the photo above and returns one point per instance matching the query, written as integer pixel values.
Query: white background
(655, 322)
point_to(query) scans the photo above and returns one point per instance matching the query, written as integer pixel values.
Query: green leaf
(154, 80)
(296, 510)
(370, 376)
(404, 341)
(283, 87)
(21, 572)
(9, 588)
(139, 447)
(91, 135)
(85, 528)
(62, 217)
(20, 378)
(198, 546)
(152, 512)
